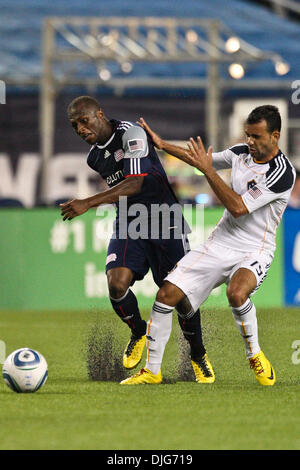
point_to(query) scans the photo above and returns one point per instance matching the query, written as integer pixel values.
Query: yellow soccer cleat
(203, 370)
(133, 352)
(264, 372)
(145, 376)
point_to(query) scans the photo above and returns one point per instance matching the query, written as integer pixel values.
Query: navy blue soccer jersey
(130, 152)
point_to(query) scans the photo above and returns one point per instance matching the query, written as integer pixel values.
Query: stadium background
(53, 288)
(35, 244)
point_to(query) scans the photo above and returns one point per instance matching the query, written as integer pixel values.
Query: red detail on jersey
(140, 174)
(124, 254)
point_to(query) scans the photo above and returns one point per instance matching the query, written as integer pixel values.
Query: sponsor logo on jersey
(107, 154)
(115, 177)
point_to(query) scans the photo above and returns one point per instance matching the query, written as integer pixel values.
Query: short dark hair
(267, 112)
(84, 102)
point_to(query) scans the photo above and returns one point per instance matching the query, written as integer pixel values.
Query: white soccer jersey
(265, 189)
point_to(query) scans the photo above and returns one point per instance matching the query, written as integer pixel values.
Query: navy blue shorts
(141, 255)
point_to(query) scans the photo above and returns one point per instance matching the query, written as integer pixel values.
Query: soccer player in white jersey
(240, 250)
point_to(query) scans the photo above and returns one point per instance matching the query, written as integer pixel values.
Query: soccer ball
(25, 370)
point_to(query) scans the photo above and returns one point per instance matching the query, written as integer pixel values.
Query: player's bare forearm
(231, 200)
(179, 152)
(75, 207)
(128, 187)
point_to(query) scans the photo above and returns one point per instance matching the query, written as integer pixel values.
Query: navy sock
(127, 309)
(191, 329)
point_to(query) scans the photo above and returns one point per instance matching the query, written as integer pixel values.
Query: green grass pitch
(74, 412)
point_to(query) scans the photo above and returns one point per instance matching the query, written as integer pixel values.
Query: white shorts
(210, 265)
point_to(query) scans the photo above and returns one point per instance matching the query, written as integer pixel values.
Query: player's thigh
(169, 294)
(248, 275)
(240, 286)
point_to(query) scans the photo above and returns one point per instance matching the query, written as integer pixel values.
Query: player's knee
(163, 296)
(117, 289)
(236, 296)
(168, 294)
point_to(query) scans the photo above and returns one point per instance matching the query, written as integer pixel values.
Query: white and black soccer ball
(25, 370)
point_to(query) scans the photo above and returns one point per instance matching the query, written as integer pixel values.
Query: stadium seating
(21, 24)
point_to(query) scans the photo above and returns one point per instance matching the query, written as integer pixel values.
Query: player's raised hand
(73, 208)
(155, 137)
(198, 156)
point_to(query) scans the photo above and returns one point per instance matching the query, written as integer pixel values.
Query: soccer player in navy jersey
(124, 155)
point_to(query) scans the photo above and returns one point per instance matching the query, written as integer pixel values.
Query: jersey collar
(264, 163)
(114, 123)
(106, 143)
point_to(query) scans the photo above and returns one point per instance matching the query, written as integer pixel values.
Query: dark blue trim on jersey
(240, 149)
(280, 176)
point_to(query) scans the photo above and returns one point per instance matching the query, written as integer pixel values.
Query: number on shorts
(258, 268)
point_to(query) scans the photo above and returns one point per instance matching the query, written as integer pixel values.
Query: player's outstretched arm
(171, 149)
(73, 208)
(76, 207)
(203, 161)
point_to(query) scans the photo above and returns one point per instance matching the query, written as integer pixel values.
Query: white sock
(159, 328)
(246, 322)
